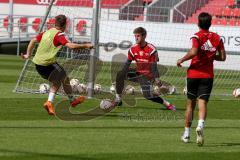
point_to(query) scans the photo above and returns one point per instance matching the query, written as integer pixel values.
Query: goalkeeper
(50, 42)
(146, 57)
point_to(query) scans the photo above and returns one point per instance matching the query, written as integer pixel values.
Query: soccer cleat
(49, 107)
(199, 133)
(171, 107)
(77, 101)
(117, 102)
(185, 139)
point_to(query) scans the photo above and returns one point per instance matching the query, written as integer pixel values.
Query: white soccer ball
(74, 82)
(160, 90)
(82, 88)
(185, 90)
(156, 90)
(44, 88)
(97, 88)
(236, 92)
(130, 90)
(113, 88)
(106, 104)
(172, 90)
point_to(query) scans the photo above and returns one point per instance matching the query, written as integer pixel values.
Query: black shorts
(51, 72)
(199, 88)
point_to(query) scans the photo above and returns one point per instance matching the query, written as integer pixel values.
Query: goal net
(169, 23)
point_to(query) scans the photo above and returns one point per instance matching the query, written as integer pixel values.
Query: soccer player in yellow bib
(50, 42)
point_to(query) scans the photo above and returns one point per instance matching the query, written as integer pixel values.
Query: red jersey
(208, 43)
(144, 57)
(59, 39)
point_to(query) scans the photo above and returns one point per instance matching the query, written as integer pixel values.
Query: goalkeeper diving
(146, 72)
(50, 42)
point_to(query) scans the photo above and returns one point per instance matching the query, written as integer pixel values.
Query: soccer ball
(185, 90)
(156, 90)
(172, 90)
(130, 90)
(106, 104)
(236, 92)
(82, 88)
(113, 88)
(160, 90)
(74, 82)
(44, 88)
(97, 88)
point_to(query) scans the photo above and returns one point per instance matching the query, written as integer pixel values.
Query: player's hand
(179, 62)
(89, 46)
(25, 56)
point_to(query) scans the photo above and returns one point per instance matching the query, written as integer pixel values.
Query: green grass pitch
(145, 131)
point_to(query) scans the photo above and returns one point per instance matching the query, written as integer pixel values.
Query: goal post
(95, 41)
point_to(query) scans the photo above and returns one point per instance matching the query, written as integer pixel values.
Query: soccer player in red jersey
(207, 46)
(146, 72)
(50, 42)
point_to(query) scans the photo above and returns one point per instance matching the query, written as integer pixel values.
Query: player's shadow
(42, 156)
(222, 144)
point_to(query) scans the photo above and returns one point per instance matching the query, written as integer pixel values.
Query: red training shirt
(208, 43)
(59, 39)
(144, 57)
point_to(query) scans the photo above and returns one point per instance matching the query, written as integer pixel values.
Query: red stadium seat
(192, 20)
(147, 1)
(236, 12)
(6, 22)
(22, 22)
(216, 11)
(232, 22)
(231, 2)
(36, 24)
(237, 22)
(214, 21)
(113, 3)
(81, 27)
(223, 21)
(50, 23)
(227, 12)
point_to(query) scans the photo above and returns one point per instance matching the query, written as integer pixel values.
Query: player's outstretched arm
(191, 53)
(79, 46)
(221, 56)
(29, 49)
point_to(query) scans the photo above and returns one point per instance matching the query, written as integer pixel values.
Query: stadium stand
(160, 10)
(186, 8)
(113, 3)
(104, 4)
(225, 12)
(132, 10)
